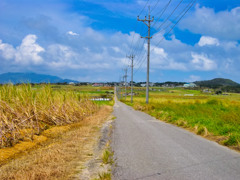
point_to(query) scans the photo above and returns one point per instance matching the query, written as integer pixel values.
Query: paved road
(149, 149)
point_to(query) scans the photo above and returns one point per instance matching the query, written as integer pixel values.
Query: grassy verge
(107, 162)
(63, 155)
(107, 156)
(213, 117)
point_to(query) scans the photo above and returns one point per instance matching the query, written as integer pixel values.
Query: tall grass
(211, 115)
(25, 111)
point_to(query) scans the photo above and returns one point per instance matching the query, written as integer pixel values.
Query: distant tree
(218, 92)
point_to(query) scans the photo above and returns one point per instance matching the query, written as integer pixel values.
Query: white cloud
(61, 52)
(207, 40)
(72, 33)
(65, 57)
(223, 24)
(29, 51)
(116, 49)
(62, 56)
(7, 50)
(160, 60)
(105, 54)
(160, 52)
(202, 62)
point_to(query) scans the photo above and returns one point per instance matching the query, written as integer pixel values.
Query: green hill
(31, 78)
(217, 82)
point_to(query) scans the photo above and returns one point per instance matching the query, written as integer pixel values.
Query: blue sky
(88, 40)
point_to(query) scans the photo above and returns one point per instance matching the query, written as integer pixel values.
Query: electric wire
(184, 13)
(169, 16)
(138, 49)
(143, 8)
(162, 12)
(175, 19)
(141, 63)
(156, 4)
(132, 49)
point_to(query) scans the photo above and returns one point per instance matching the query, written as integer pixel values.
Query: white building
(189, 85)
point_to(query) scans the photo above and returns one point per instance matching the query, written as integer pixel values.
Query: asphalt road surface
(146, 148)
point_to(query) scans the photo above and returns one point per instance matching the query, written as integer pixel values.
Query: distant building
(151, 84)
(207, 91)
(97, 85)
(189, 85)
(71, 83)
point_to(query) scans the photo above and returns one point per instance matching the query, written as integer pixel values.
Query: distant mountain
(217, 82)
(31, 78)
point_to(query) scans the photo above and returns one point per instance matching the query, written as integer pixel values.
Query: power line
(192, 3)
(131, 57)
(141, 63)
(132, 49)
(133, 36)
(169, 15)
(162, 12)
(138, 44)
(143, 8)
(136, 48)
(140, 50)
(182, 14)
(155, 6)
(183, 11)
(149, 20)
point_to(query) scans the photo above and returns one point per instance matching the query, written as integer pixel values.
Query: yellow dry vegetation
(55, 131)
(11, 152)
(25, 111)
(62, 156)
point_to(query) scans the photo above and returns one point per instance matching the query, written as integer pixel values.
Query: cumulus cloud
(63, 56)
(104, 52)
(72, 33)
(202, 62)
(27, 52)
(160, 52)
(61, 52)
(207, 40)
(223, 24)
(7, 51)
(161, 60)
(116, 49)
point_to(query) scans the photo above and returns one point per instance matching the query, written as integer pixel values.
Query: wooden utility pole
(131, 57)
(125, 76)
(149, 20)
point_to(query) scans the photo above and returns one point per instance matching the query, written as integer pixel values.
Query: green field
(207, 114)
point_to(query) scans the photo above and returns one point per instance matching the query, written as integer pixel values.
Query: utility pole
(131, 57)
(120, 87)
(149, 20)
(125, 76)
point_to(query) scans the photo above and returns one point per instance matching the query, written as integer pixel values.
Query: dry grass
(25, 112)
(61, 157)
